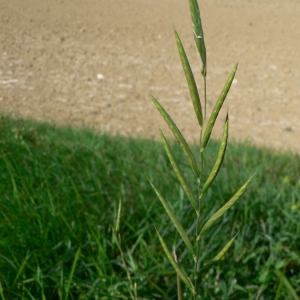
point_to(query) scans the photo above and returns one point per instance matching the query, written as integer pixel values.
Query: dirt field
(94, 62)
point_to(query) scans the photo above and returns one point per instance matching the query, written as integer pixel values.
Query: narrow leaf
(177, 268)
(119, 216)
(216, 110)
(190, 80)
(175, 222)
(1, 292)
(215, 170)
(179, 174)
(77, 255)
(179, 137)
(224, 250)
(198, 33)
(224, 208)
(287, 284)
(116, 238)
(20, 271)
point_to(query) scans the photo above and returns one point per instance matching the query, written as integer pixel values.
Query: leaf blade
(118, 221)
(217, 107)
(179, 137)
(215, 170)
(72, 272)
(225, 207)
(179, 174)
(190, 80)
(176, 222)
(287, 284)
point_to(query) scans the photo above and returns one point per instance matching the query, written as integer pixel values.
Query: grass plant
(192, 275)
(62, 235)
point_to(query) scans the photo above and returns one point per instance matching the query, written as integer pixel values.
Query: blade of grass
(132, 289)
(21, 268)
(68, 286)
(9, 261)
(179, 137)
(278, 290)
(216, 110)
(116, 239)
(175, 222)
(198, 33)
(179, 174)
(28, 292)
(190, 80)
(287, 284)
(215, 170)
(224, 208)
(1, 292)
(177, 268)
(224, 250)
(43, 296)
(119, 216)
(10, 171)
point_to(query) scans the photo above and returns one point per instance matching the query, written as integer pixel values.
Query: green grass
(60, 190)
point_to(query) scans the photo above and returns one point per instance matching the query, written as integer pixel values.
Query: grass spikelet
(190, 80)
(224, 208)
(179, 173)
(198, 33)
(179, 137)
(175, 222)
(216, 110)
(215, 170)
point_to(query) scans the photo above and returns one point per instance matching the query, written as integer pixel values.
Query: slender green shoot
(68, 285)
(132, 289)
(194, 248)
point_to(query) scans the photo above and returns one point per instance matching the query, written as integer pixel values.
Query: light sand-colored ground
(94, 62)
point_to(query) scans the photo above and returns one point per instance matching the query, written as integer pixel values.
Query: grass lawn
(60, 189)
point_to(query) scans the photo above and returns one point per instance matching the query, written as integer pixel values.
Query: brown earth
(94, 62)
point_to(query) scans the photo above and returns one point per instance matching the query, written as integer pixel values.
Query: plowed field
(94, 62)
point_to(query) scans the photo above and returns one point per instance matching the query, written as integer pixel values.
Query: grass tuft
(60, 191)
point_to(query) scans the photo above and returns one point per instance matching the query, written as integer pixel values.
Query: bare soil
(94, 63)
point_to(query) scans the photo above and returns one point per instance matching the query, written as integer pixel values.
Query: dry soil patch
(94, 62)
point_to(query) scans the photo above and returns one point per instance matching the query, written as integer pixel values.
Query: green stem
(204, 77)
(132, 290)
(196, 265)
